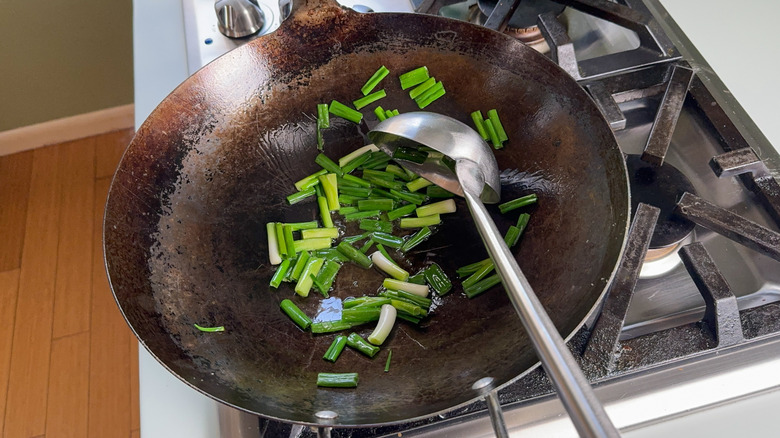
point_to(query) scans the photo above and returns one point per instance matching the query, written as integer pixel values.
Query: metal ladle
(473, 174)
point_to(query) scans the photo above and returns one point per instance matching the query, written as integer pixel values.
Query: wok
(184, 230)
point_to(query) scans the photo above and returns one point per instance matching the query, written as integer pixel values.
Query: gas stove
(692, 321)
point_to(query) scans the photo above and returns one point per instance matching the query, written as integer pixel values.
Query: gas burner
(660, 187)
(522, 25)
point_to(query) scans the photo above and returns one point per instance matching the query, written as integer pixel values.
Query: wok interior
(185, 221)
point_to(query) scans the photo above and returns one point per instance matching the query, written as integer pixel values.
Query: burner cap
(660, 187)
(526, 12)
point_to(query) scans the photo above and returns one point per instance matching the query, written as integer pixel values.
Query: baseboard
(66, 129)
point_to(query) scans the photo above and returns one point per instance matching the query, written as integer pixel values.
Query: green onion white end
(356, 153)
(384, 326)
(381, 262)
(273, 247)
(441, 207)
(417, 289)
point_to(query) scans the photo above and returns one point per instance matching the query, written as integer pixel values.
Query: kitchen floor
(68, 361)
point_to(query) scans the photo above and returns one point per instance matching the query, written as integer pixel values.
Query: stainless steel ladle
(475, 177)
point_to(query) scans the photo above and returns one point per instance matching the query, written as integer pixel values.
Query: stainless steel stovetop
(667, 328)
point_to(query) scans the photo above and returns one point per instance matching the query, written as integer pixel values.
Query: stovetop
(717, 314)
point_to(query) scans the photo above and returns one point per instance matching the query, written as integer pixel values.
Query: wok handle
(586, 412)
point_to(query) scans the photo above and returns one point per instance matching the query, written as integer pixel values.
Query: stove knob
(238, 18)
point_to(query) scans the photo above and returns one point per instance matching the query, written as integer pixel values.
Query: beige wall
(61, 58)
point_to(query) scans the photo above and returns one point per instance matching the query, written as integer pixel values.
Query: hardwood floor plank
(109, 391)
(29, 371)
(9, 286)
(109, 150)
(74, 251)
(135, 407)
(15, 171)
(135, 434)
(66, 412)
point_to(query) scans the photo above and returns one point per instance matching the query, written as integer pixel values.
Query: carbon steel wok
(184, 230)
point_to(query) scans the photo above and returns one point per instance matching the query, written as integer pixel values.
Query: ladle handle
(577, 396)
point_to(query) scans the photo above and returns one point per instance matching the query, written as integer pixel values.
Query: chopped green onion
(356, 180)
(295, 226)
(358, 192)
(512, 236)
(335, 349)
(399, 172)
(322, 203)
(323, 117)
(365, 302)
(482, 286)
(418, 184)
(412, 154)
(380, 114)
(300, 196)
(430, 91)
(517, 203)
(389, 356)
(340, 110)
(406, 210)
(441, 207)
(376, 204)
(299, 265)
(305, 282)
(416, 289)
(329, 326)
(438, 280)
(417, 300)
(280, 240)
(326, 276)
(328, 164)
(479, 123)
(414, 198)
(348, 200)
(497, 125)
(406, 317)
(438, 192)
(330, 232)
(337, 380)
(418, 238)
(408, 308)
(348, 210)
(274, 257)
(309, 181)
(372, 82)
(464, 271)
(361, 215)
(353, 239)
(389, 113)
(382, 182)
(360, 314)
(280, 273)
(387, 176)
(414, 77)
(295, 313)
(375, 225)
(479, 275)
(384, 326)
(419, 222)
(389, 267)
(387, 239)
(522, 221)
(367, 149)
(377, 159)
(210, 329)
(312, 244)
(366, 246)
(368, 100)
(395, 112)
(384, 252)
(423, 103)
(422, 88)
(418, 278)
(355, 341)
(330, 185)
(288, 240)
(492, 135)
(354, 255)
(332, 254)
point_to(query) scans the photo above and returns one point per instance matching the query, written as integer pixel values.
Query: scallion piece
(479, 275)
(280, 240)
(375, 225)
(438, 192)
(365, 302)
(288, 240)
(376, 204)
(335, 349)
(419, 222)
(410, 154)
(406, 317)
(482, 286)
(332, 254)
(517, 203)
(384, 252)
(296, 226)
(422, 88)
(406, 210)
(368, 100)
(420, 290)
(274, 257)
(423, 103)
(357, 192)
(322, 203)
(330, 232)
(366, 246)
(305, 282)
(414, 198)
(418, 184)
(328, 164)
(337, 380)
(428, 92)
(280, 273)
(348, 210)
(361, 215)
(418, 278)
(438, 280)
(360, 314)
(210, 329)
(348, 200)
(414, 77)
(479, 123)
(492, 135)
(377, 160)
(390, 268)
(340, 110)
(512, 236)
(418, 238)
(352, 239)
(441, 207)
(303, 258)
(387, 363)
(309, 181)
(389, 113)
(323, 117)
(408, 297)
(331, 187)
(387, 176)
(384, 326)
(356, 180)
(408, 308)
(497, 125)
(329, 326)
(387, 239)
(375, 79)
(295, 313)
(355, 341)
(357, 162)
(300, 196)
(399, 172)
(326, 276)
(380, 113)
(386, 183)
(354, 255)
(346, 159)
(312, 244)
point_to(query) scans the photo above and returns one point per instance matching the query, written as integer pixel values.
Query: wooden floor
(68, 362)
